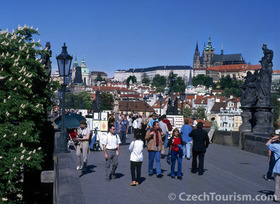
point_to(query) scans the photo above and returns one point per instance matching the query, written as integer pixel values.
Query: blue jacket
(185, 130)
(275, 147)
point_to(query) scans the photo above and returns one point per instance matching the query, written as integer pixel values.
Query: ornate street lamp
(182, 98)
(145, 101)
(160, 98)
(64, 64)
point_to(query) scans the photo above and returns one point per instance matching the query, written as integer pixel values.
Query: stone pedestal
(251, 142)
(263, 117)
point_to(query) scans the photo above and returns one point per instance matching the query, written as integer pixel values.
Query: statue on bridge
(172, 109)
(256, 104)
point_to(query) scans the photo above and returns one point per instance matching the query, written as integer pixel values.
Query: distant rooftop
(175, 67)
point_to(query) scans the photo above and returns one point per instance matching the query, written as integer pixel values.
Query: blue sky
(122, 34)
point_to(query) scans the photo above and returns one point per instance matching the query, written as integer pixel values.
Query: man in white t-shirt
(111, 146)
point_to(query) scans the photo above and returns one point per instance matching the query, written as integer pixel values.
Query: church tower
(196, 60)
(208, 53)
(75, 65)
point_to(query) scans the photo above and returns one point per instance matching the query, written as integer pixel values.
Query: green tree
(179, 85)
(25, 93)
(107, 101)
(132, 79)
(200, 113)
(159, 82)
(81, 100)
(202, 79)
(99, 78)
(187, 112)
(145, 79)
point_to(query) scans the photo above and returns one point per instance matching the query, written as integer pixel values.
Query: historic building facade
(182, 71)
(209, 58)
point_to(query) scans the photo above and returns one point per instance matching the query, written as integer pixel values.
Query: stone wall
(246, 141)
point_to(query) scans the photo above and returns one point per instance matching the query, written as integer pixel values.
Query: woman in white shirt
(136, 158)
(83, 145)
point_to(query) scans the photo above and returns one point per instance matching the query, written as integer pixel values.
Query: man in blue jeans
(154, 145)
(187, 140)
(124, 125)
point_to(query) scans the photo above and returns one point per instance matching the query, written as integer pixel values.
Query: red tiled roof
(234, 68)
(206, 124)
(202, 99)
(276, 71)
(136, 106)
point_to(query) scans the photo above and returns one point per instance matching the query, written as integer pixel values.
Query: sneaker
(133, 183)
(159, 176)
(173, 177)
(179, 177)
(188, 158)
(265, 177)
(136, 183)
(78, 167)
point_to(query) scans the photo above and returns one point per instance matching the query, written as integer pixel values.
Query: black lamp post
(145, 101)
(182, 98)
(64, 64)
(160, 98)
(127, 100)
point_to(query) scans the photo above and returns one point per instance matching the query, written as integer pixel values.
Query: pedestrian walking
(136, 158)
(274, 146)
(82, 145)
(124, 126)
(111, 146)
(200, 143)
(154, 144)
(152, 120)
(213, 128)
(164, 129)
(271, 161)
(176, 153)
(186, 139)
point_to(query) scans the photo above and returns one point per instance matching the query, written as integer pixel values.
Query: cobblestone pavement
(229, 172)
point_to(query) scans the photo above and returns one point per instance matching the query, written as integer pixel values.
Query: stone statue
(172, 108)
(46, 62)
(256, 104)
(249, 89)
(264, 91)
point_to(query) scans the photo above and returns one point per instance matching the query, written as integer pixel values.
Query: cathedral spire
(209, 45)
(196, 48)
(75, 64)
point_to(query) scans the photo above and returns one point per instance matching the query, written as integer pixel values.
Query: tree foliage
(81, 100)
(159, 82)
(106, 101)
(230, 86)
(99, 78)
(25, 92)
(199, 113)
(145, 79)
(202, 79)
(132, 79)
(187, 112)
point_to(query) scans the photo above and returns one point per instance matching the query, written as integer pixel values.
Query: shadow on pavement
(88, 170)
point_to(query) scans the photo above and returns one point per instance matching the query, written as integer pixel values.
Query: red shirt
(177, 141)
